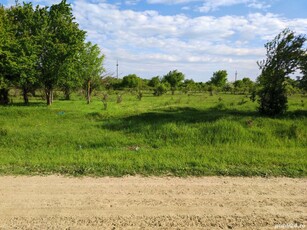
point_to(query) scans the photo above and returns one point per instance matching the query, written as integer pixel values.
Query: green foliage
(283, 56)
(188, 85)
(160, 89)
(174, 78)
(132, 81)
(44, 47)
(26, 48)
(90, 68)
(111, 83)
(154, 82)
(244, 86)
(219, 78)
(6, 57)
(62, 41)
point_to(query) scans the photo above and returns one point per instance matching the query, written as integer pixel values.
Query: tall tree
(70, 79)
(154, 82)
(90, 68)
(6, 56)
(282, 59)
(219, 78)
(25, 49)
(61, 41)
(174, 78)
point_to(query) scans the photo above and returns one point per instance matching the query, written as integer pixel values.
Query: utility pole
(236, 75)
(117, 68)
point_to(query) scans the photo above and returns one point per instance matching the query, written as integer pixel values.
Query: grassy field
(178, 135)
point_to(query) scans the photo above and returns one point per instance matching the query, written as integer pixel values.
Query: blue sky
(197, 37)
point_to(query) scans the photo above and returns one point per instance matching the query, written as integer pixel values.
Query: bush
(160, 89)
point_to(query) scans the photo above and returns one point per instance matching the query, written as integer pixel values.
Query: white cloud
(171, 2)
(131, 2)
(212, 5)
(148, 43)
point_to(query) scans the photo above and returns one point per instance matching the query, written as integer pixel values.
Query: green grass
(170, 135)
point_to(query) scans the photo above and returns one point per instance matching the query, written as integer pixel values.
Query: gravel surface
(56, 202)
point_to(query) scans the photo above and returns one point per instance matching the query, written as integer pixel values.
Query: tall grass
(169, 135)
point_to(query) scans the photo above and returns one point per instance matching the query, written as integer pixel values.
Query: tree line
(44, 47)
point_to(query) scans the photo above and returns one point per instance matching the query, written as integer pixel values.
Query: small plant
(119, 98)
(105, 97)
(221, 106)
(293, 131)
(3, 132)
(140, 95)
(160, 89)
(249, 122)
(105, 105)
(105, 101)
(302, 103)
(220, 99)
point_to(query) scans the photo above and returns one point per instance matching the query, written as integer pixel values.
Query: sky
(197, 37)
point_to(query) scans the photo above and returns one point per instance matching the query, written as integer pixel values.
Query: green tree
(243, 86)
(248, 85)
(188, 85)
(154, 82)
(160, 89)
(219, 78)
(111, 83)
(282, 59)
(132, 81)
(70, 79)
(61, 40)
(91, 68)
(7, 63)
(25, 48)
(174, 78)
(229, 87)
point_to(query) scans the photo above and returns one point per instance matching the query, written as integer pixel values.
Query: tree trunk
(67, 94)
(88, 92)
(4, 97)
(49, 96)
(25, 95)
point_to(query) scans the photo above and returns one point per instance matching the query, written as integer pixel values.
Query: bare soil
(56, 202)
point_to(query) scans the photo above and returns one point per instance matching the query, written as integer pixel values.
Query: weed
(119, 98)
(3, 132)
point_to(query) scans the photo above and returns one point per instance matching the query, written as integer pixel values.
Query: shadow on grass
(295, 114)
(184, 115)
(31, 104)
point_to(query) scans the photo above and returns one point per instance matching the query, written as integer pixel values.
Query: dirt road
(55, 202)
